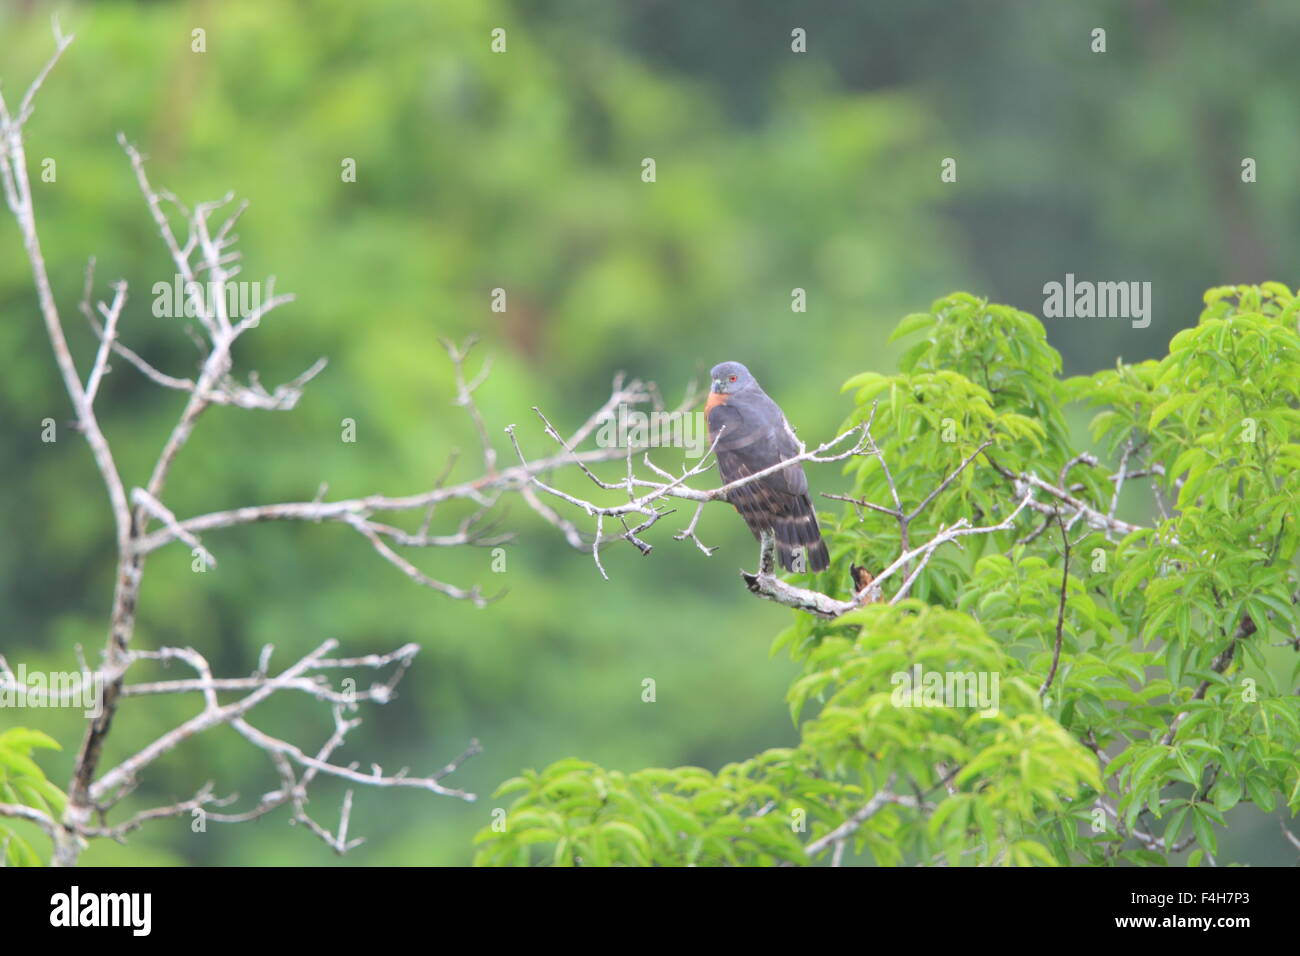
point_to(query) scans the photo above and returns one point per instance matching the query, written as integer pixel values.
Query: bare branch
(765, 583)
(1095, 518)
(483, 490)
(118, 833)
(111, 315)
(18, 811)
(18, 195)
(1290, 837)
(160, 511)
(839, 836)
(473, 595)
(465, 396)
(943, 486)
(208, 251)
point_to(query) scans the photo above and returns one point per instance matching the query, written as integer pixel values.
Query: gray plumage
(755, 435)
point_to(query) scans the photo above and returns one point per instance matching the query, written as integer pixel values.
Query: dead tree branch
(202, 245)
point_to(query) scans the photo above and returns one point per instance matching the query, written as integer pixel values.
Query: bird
(749, 433)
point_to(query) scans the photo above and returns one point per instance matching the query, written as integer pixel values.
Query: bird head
(729, 377)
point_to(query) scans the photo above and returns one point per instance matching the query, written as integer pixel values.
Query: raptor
(751, 435)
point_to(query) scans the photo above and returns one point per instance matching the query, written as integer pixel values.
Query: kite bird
(754, 435)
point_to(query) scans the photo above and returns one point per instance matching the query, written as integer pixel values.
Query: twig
(1060, 610)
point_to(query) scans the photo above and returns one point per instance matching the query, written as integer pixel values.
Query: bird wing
(754, 438)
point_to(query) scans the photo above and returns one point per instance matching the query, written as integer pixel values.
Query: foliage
(22, 782)
(1170, 702)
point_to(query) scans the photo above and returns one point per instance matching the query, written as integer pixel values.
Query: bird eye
(732, 379)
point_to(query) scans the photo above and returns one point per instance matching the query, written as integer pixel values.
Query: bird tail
(799, 544)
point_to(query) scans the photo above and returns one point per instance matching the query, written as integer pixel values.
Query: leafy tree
(23, 785)
(1142, 686)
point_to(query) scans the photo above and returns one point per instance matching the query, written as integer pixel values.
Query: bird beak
(717, 385)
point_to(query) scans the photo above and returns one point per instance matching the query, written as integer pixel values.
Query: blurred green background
(522, 170)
